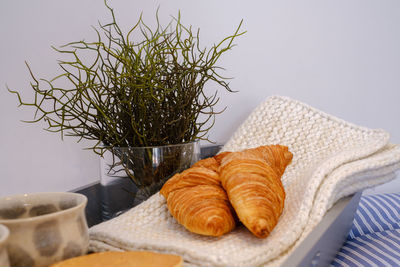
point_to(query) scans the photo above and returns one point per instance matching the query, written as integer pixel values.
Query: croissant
(251, 179)
(196, 199)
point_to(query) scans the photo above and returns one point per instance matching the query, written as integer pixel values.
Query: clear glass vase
(130, 175)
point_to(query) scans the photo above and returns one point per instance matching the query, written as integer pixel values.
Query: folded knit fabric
(331, 159)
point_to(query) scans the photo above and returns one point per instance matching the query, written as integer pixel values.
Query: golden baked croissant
(196, 199)
(251, 179)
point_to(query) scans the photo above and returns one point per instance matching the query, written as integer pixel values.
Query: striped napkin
(374, 239)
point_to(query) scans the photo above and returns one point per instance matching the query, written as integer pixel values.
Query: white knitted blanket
(331, 159)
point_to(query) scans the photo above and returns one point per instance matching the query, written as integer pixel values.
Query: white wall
(339, 56)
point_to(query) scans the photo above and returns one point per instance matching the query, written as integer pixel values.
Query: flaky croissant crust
(251, 179)
(204, 198)
(196, 199)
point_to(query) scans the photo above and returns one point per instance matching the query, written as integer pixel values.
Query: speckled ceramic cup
(4, 233)
(44, 227)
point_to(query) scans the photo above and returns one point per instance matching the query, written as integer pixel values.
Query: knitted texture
(331, 159)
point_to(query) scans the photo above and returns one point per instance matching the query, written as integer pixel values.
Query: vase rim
(197, 141)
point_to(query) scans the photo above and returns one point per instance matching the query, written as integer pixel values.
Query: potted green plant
(139, 90)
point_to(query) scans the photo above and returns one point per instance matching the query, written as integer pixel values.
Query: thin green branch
(144, 88)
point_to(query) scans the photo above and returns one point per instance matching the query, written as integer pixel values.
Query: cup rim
(80, 204)
(4, 229)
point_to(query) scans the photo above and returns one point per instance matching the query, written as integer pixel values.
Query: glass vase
(130, 175)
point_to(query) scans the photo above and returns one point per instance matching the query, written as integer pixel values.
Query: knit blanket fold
(331, 159)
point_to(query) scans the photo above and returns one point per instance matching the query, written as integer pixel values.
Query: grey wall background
(342, 57)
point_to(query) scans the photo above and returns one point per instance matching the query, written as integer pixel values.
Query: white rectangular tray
(323, 243)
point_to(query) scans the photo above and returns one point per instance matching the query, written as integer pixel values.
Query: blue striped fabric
(374, 239)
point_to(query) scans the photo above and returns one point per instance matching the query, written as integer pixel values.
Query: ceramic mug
(4, 233)
(44, 227)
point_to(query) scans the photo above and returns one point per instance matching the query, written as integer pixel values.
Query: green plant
(145, 88)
